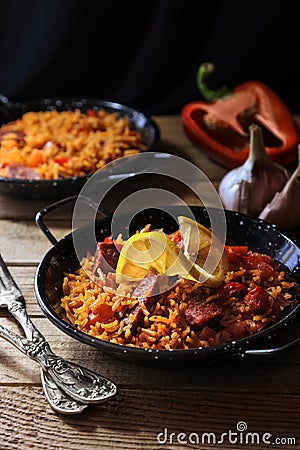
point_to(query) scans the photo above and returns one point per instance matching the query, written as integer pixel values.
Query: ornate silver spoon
(59, 401)
(64, 382)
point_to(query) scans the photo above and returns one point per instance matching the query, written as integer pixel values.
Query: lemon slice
(151, 252)
(203, 259)
(205, 252)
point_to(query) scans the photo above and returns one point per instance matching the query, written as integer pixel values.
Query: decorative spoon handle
(66, 385)
(80, 383)
(59, 401)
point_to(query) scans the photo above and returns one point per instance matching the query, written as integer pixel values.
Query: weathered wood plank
(23, 241)
(156, 419)
(17, 235)
(24, 277)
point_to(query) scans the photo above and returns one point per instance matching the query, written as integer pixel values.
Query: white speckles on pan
(257, 234)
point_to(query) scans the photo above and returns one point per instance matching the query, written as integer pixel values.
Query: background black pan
(52, 190)
(241, 230)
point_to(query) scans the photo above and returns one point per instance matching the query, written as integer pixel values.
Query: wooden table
(154, 405)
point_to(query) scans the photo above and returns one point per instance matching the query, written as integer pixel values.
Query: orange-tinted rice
(68, 143)
(165, 326)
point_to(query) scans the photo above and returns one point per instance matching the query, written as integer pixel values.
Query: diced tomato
(101, 313)
(234, 253)
(231, 289)
(108, 239)
(77, 129)
(61, 161)
(91, 113)
(267, 270)
(35, 159)
(253, 261)
(238, 249)
(257, 299)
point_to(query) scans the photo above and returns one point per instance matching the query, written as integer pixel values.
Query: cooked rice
(66, 144)
(165, 326)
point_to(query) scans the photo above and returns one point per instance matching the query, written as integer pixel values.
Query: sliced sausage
(238, 330)
(147, 293)
(106, 257)
(17, 135)
(200, 312)
(21, 171)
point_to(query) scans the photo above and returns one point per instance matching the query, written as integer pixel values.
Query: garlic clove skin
(234, 191)
(283, 209)
(250, 187)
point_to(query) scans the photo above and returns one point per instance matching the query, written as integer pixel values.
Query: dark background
(146, 53)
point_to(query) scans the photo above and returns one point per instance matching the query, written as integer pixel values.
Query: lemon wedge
(204, 251)
(203, 259)
(150, 252)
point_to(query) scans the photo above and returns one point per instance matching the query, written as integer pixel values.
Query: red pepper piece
(220, 128)
(91, 113)
(237, 249)
(255, 259)
(61, 161)
(231, 289)
(257, 299)
(267, 270)
(234, 253)
(108, 239)
(264, 263)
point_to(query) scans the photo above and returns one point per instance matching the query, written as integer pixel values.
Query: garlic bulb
(251, 186)
(283, 210)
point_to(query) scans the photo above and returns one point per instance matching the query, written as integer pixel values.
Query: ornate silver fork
(68, 387)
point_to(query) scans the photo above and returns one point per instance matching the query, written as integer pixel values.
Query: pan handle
(271, 351)
(39, 218)
(242, 352)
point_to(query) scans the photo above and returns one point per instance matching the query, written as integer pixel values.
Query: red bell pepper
(91, 113)
(257, 299)
(220, 126)
(62, 160)
(231, 289)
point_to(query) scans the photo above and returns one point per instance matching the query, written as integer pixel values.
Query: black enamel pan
(241, 230)
(52, 190)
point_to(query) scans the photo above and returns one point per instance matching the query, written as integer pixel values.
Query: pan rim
(233, 347)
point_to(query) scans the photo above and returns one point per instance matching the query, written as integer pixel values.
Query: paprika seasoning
(219, 124)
